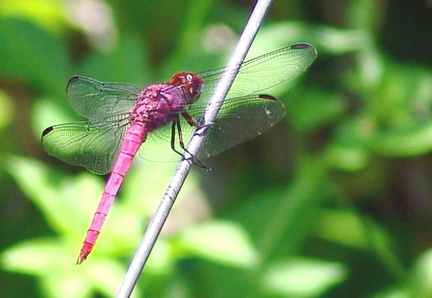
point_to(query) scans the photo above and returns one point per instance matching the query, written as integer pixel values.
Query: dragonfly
(120, 117)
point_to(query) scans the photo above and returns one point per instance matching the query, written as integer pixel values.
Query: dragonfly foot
(202, 130)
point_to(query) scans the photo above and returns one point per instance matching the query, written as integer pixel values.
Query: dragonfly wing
(94, 99)
(241, 119)
(94, 145)
(263, 72)
(158, 143)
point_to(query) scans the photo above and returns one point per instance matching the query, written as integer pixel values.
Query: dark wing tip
(303, 45)
(73, 79)
(47, 131)
(266, 96)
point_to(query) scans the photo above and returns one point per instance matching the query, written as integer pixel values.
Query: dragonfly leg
(195, 123)
(176, 123)
(204, 128)
(191, 120)
(173, 134)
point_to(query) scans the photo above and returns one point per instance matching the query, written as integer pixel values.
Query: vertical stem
(142, 253)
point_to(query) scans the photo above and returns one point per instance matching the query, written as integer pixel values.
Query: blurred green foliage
(333, 202)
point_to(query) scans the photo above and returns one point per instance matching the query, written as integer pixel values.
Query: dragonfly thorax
(159, 104)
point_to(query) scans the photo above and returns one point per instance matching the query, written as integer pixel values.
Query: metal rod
(155, 226)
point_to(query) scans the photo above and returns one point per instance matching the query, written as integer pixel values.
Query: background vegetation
(335, 201)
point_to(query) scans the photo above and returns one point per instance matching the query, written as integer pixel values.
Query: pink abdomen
(131, 143)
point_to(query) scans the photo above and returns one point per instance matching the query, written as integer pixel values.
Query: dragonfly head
(189, 82)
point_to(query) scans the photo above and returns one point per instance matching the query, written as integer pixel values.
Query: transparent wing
(244, 114)
(94, 99)
(263, 72)
(239, 120)
(94, 145)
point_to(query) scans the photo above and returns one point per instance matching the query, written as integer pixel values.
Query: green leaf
(313, 109)
(348, 151)
(7, 110)
(412, 141)
(59, 276)
(34, 256)
(49, 14)
(64, 200)
(46, 259)
(420, 283)
(126, 63)
(220, 241)
(349, 229)
(31, 54)
(303, 277)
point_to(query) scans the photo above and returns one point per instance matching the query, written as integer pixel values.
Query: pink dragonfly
(122, 116)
